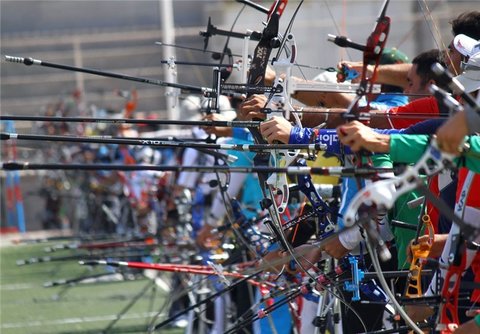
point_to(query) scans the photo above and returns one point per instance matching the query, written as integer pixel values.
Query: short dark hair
(467, 23)
(424, 62)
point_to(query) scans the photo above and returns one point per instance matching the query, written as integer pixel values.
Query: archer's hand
(219, 131)
(418, 312)
(439, 241)
(451, 134)
(250, 108)
(355, 65)
(359, 136)
(271, 261)
(269, 76)
(276, 129)
(307, 255)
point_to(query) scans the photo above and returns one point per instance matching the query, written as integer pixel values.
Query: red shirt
(424, 106)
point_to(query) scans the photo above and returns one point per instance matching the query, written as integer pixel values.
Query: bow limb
(319, 207)
(256, 77)
(371, 56)
(375, 45)
(448, 320)
(259, 63)
(227, 52)
(448, 315)
(280, 105)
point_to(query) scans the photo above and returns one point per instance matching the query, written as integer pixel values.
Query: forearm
(325, 99)
(316, 116)
(333, 117)
(350, 238)
(394, 74)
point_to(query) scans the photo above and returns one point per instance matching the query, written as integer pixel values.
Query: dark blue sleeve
(448, 195)
(428, 127)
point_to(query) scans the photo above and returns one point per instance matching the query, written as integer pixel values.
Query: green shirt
(401, 212)
(410, 148)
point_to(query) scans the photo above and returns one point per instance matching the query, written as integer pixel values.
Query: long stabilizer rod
(30, 61)
(233, 124)
(337, 171)
(160, 143)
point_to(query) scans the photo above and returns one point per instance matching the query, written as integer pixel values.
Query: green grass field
(26, 306)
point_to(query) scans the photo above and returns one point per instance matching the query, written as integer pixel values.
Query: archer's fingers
(256, 115)
(448, 148)
(254, 100)
(346, 136)
(269, 134)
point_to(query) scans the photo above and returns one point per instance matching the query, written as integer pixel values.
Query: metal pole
(168, 34)
(78, 60)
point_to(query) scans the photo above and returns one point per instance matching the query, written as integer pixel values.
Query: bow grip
(348, 73)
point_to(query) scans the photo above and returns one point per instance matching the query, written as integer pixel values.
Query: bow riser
(373, 51)
(383, 194)
(420, 252)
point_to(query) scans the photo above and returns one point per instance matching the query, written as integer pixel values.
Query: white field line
(76, 320)
(9, 287)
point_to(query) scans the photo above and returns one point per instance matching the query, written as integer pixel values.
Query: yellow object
(322, 161)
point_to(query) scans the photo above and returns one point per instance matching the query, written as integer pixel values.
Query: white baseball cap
(467, 46)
